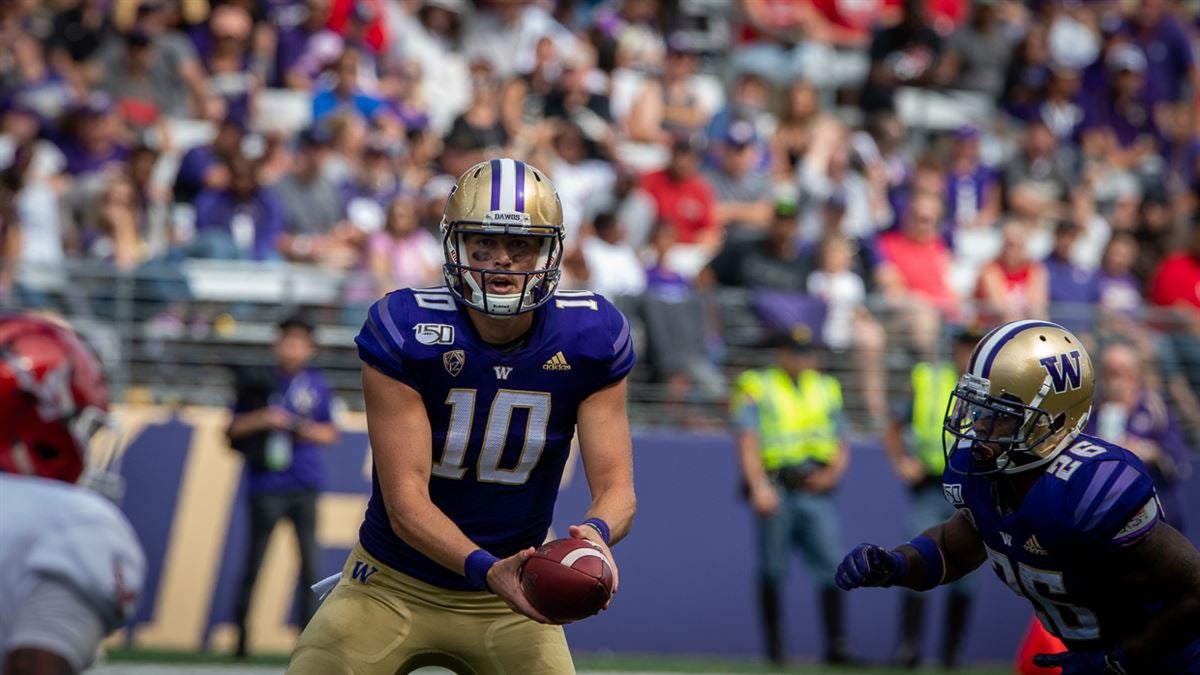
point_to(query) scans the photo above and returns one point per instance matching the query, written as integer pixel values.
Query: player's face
(294, 349)
(993, 426)
(502, 252)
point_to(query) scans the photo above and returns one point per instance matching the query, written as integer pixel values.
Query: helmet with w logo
(1026, 395)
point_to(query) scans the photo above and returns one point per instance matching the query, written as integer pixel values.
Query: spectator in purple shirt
(1120, 127)
(1074, 291)
(244, 221)
(1168, 51)
(282, 423)
(973, 197)
(1120, 292)
(90, 137)
(207, 166)
(1131, 413)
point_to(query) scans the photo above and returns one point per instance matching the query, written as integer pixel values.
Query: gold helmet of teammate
(502, 197)
(1026, 395)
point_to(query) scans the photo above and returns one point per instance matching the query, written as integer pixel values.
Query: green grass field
(122, 662)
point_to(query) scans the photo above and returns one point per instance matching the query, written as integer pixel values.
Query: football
(567, 579)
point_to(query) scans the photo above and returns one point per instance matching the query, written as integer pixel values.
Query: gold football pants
(378, 621)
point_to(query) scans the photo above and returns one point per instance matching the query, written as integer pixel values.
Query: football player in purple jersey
(474, 391)
(1069, 521)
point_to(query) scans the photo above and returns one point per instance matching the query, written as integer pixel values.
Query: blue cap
(740, 133)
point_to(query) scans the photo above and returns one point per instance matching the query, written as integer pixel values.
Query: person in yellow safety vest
(913, 442)
(788, 418)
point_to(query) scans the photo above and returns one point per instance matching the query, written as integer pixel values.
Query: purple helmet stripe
(1098, 480)
(495, 184)
(987, 365)
(520, 206)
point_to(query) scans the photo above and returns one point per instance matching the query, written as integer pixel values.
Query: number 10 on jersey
(506, 402)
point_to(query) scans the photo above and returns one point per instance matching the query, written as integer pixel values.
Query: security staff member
(788, 418)
(913, 443)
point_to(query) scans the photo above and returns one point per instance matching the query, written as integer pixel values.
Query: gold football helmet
(1025, 396)
(502, 197)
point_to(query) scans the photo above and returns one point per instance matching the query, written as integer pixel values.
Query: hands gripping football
(870, 565)
(562, 581)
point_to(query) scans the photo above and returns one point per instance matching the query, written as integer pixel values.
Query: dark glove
(1085, 663)
(870, 565)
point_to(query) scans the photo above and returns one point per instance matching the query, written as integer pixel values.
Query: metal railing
(170, 334)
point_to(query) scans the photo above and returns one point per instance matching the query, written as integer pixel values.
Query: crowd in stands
(799, 149)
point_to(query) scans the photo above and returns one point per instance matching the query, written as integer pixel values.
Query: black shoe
(906, 656)
(840, 657)
(240, 652)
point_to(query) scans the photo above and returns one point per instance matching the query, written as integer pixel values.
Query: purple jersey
(502, 421)
(1093, 499)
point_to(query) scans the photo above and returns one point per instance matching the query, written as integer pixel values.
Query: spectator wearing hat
(748, 102)
(788, 421)
(684, 198)
(771, 260)
(1118, 126)
(741, 184)
(242, 222)
(282, 423)
(914, 447)
(151, 62)
(312, 205)
(90, 137)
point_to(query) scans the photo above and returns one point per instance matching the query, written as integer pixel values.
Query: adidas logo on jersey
(1032, 545)
(556, 362)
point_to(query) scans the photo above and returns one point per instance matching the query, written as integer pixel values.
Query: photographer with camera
(788, 418)
(282, 419)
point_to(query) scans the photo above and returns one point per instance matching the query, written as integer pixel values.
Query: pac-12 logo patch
(953, 493)
(434, 333)
(454, 361)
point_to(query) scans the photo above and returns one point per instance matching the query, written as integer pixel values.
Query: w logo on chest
(1065, 371)
(363, 571)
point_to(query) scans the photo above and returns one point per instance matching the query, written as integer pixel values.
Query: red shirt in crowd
(923, 266)
(1177, 281)
(688, 205)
